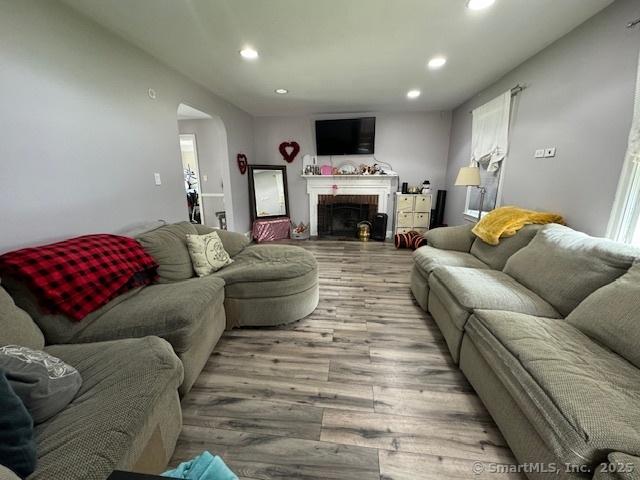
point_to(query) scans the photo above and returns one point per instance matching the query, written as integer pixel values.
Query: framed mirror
(268, 195)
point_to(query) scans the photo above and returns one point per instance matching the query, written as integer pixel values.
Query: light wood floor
(364, 388)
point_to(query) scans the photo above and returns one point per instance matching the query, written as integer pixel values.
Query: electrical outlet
(158, 180)
(539, 153)
(550, 152)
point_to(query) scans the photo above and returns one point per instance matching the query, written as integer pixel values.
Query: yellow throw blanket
(506, 221)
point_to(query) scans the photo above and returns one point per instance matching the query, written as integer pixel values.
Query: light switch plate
(550, 152)
(539, 153)
(156, 177)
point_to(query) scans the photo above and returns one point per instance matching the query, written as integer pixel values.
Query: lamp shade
(468, 177)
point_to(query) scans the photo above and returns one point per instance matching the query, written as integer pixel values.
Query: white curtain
(490, 131)
(624, 224)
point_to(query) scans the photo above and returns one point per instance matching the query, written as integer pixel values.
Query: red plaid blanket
(77, 276)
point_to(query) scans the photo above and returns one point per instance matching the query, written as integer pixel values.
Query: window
(489, 145)
(624, 224)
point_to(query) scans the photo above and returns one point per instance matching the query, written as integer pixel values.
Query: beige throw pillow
(207, 253)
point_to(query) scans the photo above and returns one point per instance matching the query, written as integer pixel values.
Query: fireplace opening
(339, 215)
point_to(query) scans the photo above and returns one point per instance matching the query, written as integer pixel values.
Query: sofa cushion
(428, 258)
(611, 315)
(470, 289)
(16, 326)
(564, 266)
(496, 256)
(269, 271)
(125, 382)
(233, 242)
(582, 399)
(171, 311)
(168, 246)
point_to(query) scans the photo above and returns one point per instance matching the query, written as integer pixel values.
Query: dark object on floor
(405, 240)
(120, 475)
(379, 228)
(17, 445)
(222, 219)
(437, 215)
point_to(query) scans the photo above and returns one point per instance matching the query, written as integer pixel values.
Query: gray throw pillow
(44, 383)
(168, 246)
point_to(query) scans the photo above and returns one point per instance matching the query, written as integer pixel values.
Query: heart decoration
(242, 163)
(289, 155)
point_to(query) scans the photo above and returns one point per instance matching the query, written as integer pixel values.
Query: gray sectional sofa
(126, 415)
(143, 350)
(546, 327)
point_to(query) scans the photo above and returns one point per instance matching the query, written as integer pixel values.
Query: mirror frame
(252, 192)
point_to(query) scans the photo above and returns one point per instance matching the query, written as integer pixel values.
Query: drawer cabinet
(421, 220)
(405, 219)
(413, 213)
(422, 203)
(405, 203)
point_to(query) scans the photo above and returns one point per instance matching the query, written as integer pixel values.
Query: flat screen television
(352, 136)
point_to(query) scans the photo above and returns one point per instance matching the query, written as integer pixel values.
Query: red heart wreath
(289, 155)
(242, 163)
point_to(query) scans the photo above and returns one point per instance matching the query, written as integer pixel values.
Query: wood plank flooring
(364, 388)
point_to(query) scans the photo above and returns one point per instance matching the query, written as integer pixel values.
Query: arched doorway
(205, 160)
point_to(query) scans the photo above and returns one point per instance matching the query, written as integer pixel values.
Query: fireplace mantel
(379, 185)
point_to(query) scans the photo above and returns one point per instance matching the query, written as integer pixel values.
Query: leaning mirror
(268, 191)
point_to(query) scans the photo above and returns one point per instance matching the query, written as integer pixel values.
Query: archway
(213, 177)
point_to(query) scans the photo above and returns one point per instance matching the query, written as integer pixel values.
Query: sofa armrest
(459, 238)
(619, 466)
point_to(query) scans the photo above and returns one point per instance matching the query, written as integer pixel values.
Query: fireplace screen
(338, 215)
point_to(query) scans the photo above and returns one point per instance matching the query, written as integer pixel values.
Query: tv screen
(353, 136)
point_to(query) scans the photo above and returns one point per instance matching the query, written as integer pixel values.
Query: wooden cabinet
(413, 212)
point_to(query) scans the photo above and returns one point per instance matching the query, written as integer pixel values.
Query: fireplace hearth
(339, 215)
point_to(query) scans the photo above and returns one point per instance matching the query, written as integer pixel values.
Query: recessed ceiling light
(437, 62)
(413, 93)
(479, 4)
(249, 53)
(281, 91)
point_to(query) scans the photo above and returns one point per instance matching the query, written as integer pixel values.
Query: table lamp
(470, 177)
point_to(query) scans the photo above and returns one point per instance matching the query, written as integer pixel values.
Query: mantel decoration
(289, 150)
(348, 169)
(242, 163)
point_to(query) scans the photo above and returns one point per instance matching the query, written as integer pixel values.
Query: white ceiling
(340, 55)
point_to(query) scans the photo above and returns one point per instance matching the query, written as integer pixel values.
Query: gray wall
(80, 138)
(579, 99)
(414, 143)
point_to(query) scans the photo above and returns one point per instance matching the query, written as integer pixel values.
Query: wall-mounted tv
(352, 136)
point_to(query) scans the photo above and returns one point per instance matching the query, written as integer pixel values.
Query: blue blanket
(204, 467)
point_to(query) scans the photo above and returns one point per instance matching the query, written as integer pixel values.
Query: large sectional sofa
(142, 351)
(546, 327)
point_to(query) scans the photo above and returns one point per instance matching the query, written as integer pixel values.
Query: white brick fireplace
(379, 185)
